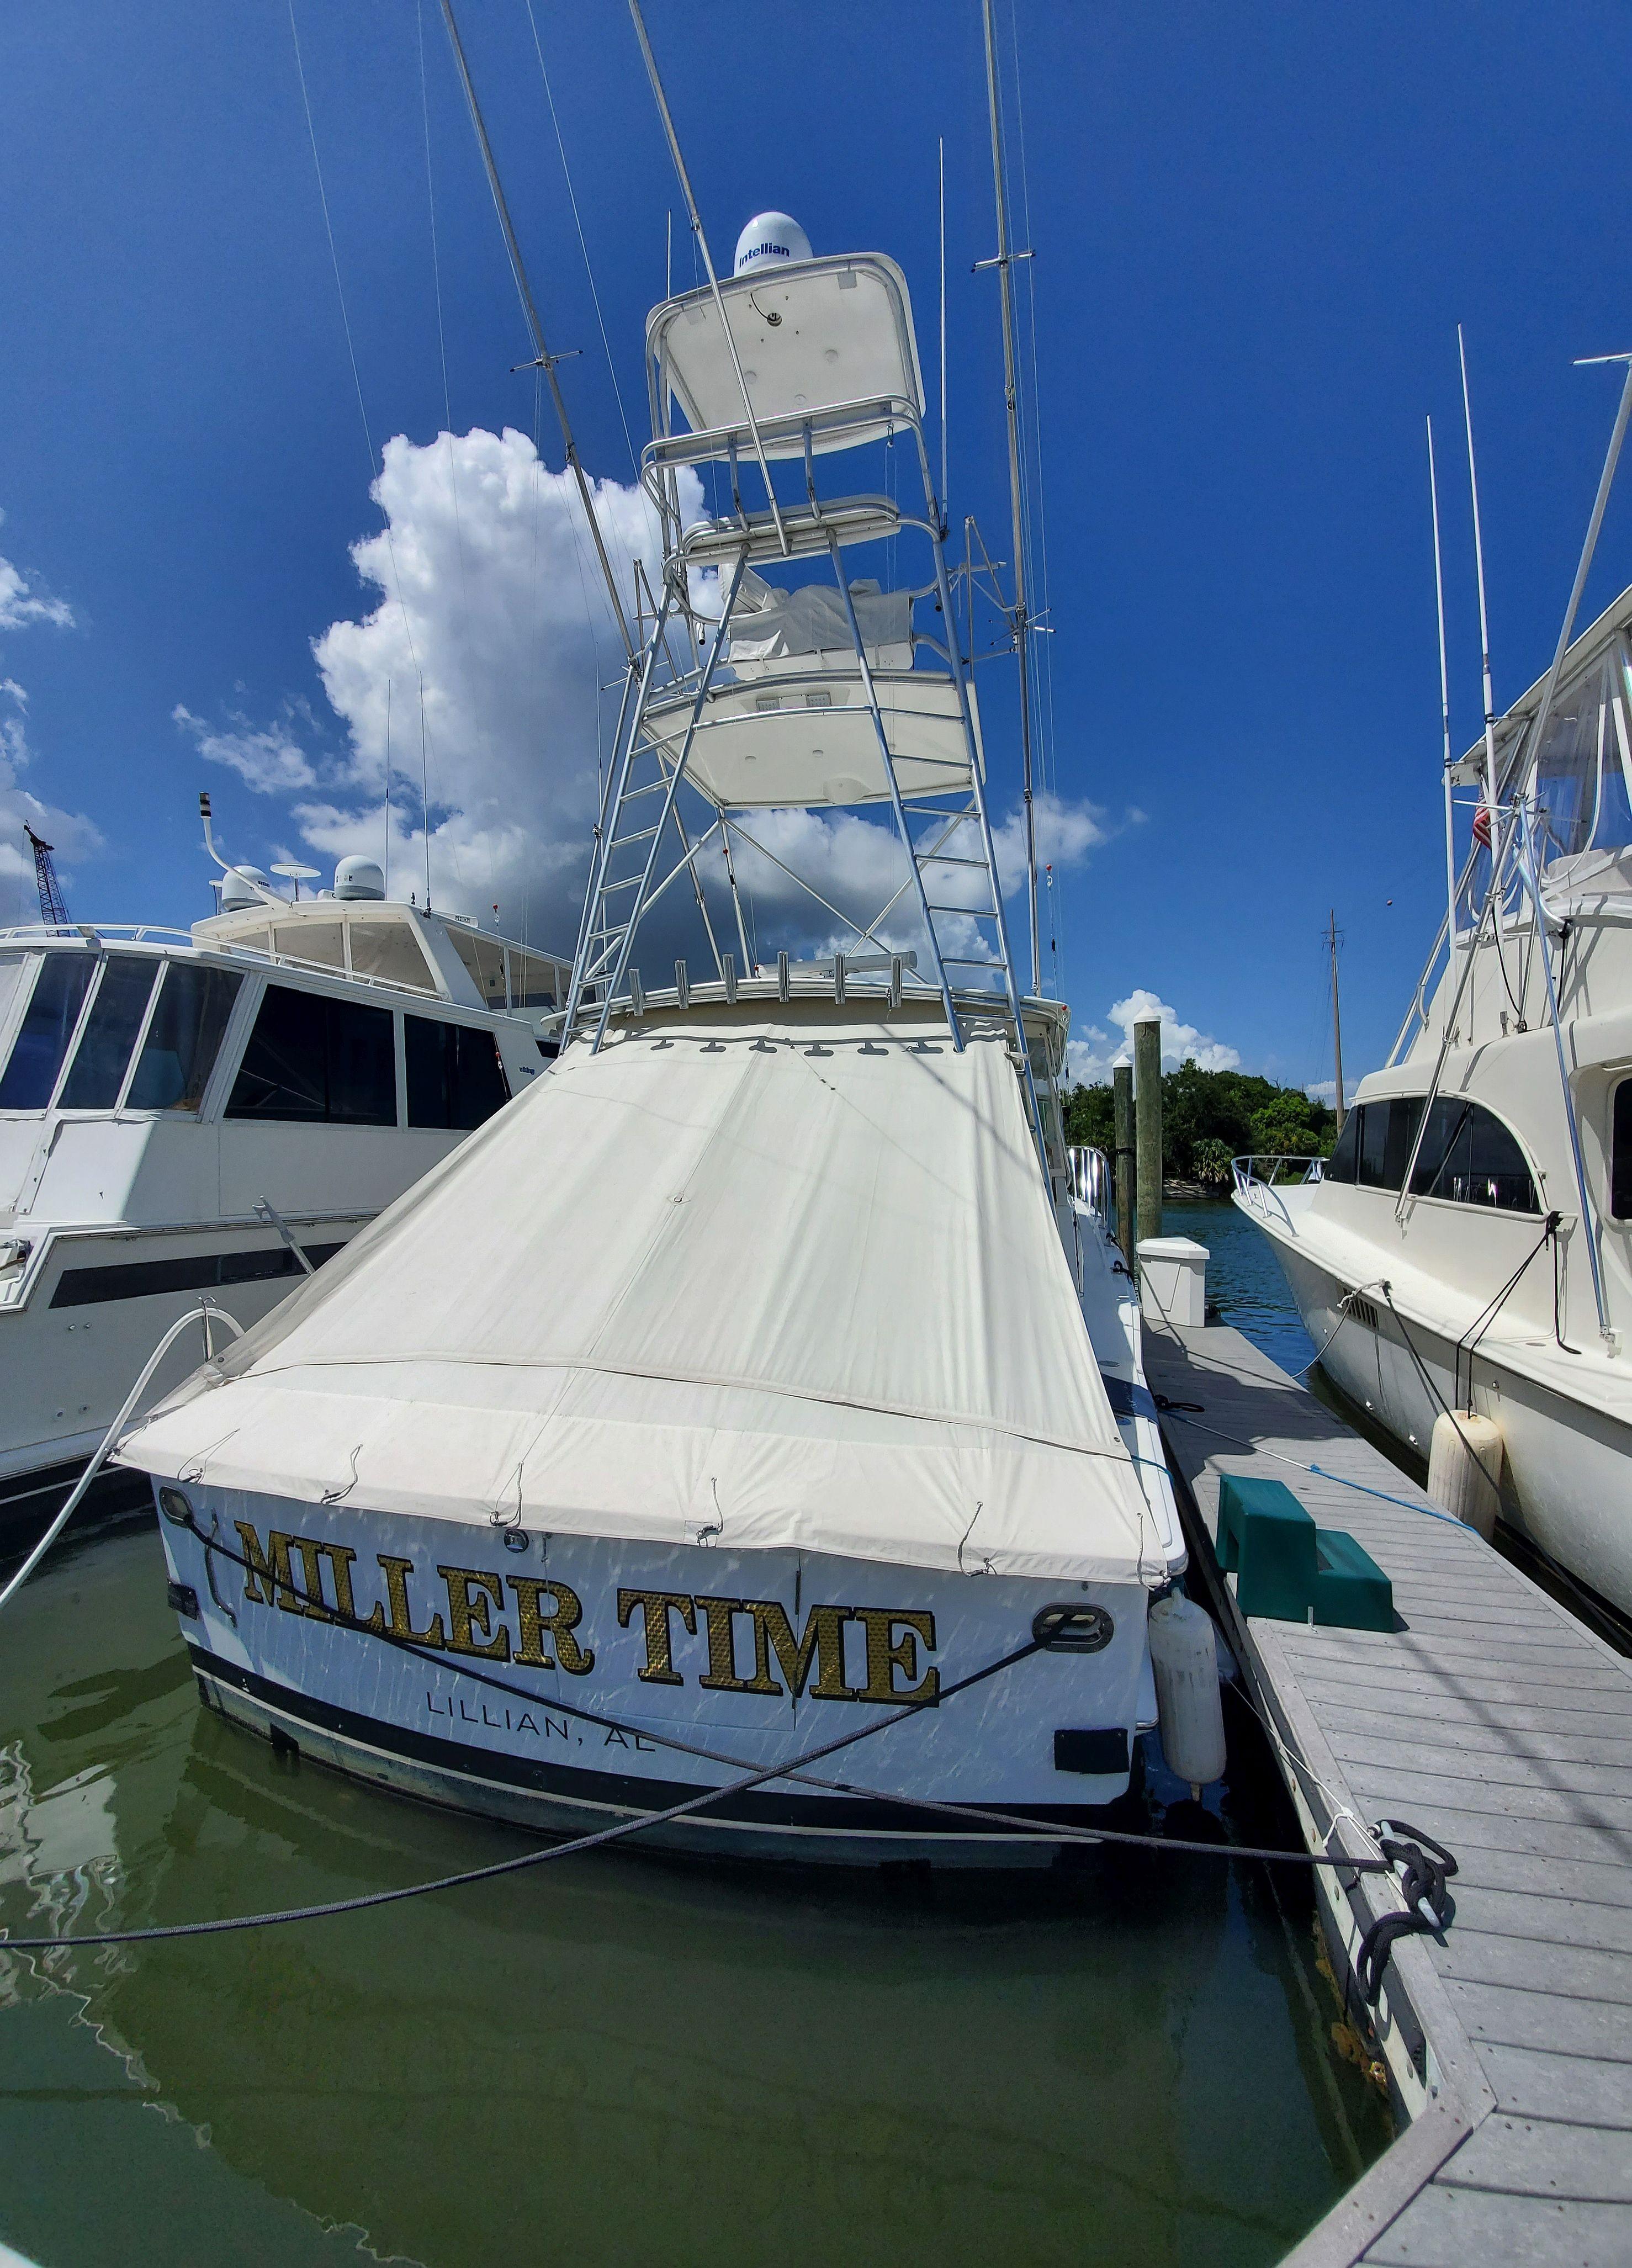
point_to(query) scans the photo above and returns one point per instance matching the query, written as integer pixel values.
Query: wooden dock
(1494, 1721)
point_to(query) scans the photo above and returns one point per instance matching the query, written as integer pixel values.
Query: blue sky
(1256, 230)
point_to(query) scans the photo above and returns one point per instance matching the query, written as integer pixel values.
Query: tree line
(1208, 1118)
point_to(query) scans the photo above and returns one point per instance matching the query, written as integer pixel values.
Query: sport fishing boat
(1466, 1250)
(214, 1111)
(762, 1373)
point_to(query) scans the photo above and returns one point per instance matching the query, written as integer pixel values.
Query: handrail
(206, 1313)
(92, 933)
(1260, 1196)
(1091, 1177)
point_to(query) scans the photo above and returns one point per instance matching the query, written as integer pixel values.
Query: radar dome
(358, 877)
(771, 239)
(238, 888)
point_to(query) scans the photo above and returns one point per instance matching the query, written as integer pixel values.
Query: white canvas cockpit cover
(772, 629)
(787, 1280)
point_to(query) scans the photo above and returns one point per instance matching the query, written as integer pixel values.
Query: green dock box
(1267, 1541)
(1290, 1571)
(1351, 1591)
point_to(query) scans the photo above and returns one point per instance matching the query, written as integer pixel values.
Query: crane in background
(53, 910)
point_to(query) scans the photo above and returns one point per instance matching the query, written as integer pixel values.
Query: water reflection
(619, 2059)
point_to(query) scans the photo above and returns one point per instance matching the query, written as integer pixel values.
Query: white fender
(1465, 1468)
(1184, 1658)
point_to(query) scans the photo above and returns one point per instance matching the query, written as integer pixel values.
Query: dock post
(1147, 1039)
(1123, 1095)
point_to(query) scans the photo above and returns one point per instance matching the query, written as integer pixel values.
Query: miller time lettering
(737, 1646)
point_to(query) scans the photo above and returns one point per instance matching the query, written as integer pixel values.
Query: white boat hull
(554, 1679)
(1567, 1465)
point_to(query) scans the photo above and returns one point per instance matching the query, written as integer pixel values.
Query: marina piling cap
(771, 239)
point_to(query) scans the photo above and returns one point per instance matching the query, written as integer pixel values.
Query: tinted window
(1373, 1117)
(184, 1038)
(318, 1060)
(1375, 1147)
(59, 994)
(103, 1051)
(1621, 1154)
(455, 1078)
(1470, 1157)
(1339, 1167)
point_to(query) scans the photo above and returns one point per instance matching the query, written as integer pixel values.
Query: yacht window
(59, 994)
(455, 1077)
(1621, 1154)
(184, 1037)
(97, 1071)
(318, 1060)
(390, 949)
(1470, 1157)
(13, 967)
(1340, 1166)
(534, 981)
(322, 941)
(484, 957)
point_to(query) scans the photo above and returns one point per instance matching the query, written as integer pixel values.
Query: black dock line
(1418, 1867)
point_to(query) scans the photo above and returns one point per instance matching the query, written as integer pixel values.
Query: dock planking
(1493, 1720)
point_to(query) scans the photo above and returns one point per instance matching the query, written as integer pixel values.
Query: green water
(614, 2059)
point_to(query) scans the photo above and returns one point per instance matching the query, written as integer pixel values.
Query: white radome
(771, 239)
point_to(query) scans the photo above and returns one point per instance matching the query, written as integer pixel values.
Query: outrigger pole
(1019, 619)
(543, 359)
(1444, 703)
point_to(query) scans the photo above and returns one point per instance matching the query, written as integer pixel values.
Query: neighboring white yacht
(1468, 1246)
(169, 1098)
(761, 1371)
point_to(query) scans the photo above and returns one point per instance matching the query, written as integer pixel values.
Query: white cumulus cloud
(23, 601)
(490, 659)
(265, 758)
(1093, 1055)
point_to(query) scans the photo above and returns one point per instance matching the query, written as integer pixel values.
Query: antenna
(1444, 703)
(425, 790)
(52, 908)
(1019, 619)
(543, 359)
(1484, 625)
(943, 481)
(385, 870)
(1337, 1021)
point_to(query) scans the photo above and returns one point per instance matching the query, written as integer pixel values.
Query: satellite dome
(771, 239)
(357, 876)
(238, 888)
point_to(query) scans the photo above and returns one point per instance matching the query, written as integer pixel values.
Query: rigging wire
(577, 223)
(375, 468)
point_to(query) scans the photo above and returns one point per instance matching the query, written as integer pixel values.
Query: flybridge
(817, 692)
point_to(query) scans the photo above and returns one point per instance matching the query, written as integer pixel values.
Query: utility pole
(1337, 1021)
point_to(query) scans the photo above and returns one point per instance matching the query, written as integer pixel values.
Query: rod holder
(784, 983)
(682, 984)
(728, 971)
(838, 976)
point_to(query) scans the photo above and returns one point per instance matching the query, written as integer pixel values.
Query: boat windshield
(1584, 775)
